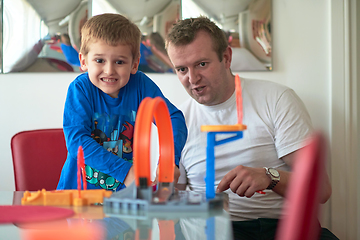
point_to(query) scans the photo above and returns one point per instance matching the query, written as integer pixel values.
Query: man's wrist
(274, 176)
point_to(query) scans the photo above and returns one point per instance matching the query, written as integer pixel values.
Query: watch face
(273, 172)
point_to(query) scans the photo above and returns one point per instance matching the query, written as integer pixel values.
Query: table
(185, 225)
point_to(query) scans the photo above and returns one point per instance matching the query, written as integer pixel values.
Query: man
(278, 125)
(70, 53)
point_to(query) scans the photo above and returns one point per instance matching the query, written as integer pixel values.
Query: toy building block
(64, 197)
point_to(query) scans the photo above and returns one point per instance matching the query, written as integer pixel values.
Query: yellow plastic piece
(60, 198)
(223, 128)
(88, 212)
(65, 197)
(79, 202)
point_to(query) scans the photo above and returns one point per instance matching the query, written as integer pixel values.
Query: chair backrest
(302, 204)
(38, 157)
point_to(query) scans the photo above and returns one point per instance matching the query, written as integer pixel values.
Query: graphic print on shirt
(115, 134)
(127, 141)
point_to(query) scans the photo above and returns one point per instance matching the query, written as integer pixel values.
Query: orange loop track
(153, 109)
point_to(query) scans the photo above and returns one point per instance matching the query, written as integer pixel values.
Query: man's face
(109, 67)
(198, 68)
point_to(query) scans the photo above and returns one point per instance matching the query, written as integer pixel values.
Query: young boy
(101, 105)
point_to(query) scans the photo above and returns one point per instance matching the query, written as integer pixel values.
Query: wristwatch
(274, 176)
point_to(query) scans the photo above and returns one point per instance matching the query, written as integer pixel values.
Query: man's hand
(244, 181)
(176, 174)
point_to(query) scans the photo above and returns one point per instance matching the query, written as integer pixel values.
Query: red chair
(38, 157)
(302, 204)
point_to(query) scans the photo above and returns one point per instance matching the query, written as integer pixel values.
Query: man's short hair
(184, 32)
(113, 29)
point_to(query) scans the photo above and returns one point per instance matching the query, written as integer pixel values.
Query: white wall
(301, 60)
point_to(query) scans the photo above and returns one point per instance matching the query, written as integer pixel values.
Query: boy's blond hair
(113, 29)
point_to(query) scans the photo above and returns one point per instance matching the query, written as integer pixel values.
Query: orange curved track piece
(239, 102)
(153, 109)
(239, 107)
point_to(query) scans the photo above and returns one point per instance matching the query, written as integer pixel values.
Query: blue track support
(210, 158)
(210, 165)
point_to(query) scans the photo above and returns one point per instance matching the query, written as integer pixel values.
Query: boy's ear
(135, 65)
(83, 62)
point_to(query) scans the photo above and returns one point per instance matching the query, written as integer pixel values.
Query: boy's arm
(150, 89)
(179, 130)
(130, 177)
(177, 118)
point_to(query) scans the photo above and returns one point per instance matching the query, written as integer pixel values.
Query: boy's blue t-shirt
(104, 127)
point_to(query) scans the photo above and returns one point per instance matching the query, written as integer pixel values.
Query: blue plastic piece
(210, 158)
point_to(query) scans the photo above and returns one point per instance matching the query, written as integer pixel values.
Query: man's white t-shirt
(277, 124)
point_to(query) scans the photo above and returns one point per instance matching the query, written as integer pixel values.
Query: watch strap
(272, 184)
(274, 180)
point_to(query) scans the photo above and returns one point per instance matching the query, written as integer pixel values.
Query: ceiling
(55, 10)
(218, 9)
(137, 9)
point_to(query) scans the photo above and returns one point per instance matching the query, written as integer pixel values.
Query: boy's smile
(109, 67)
